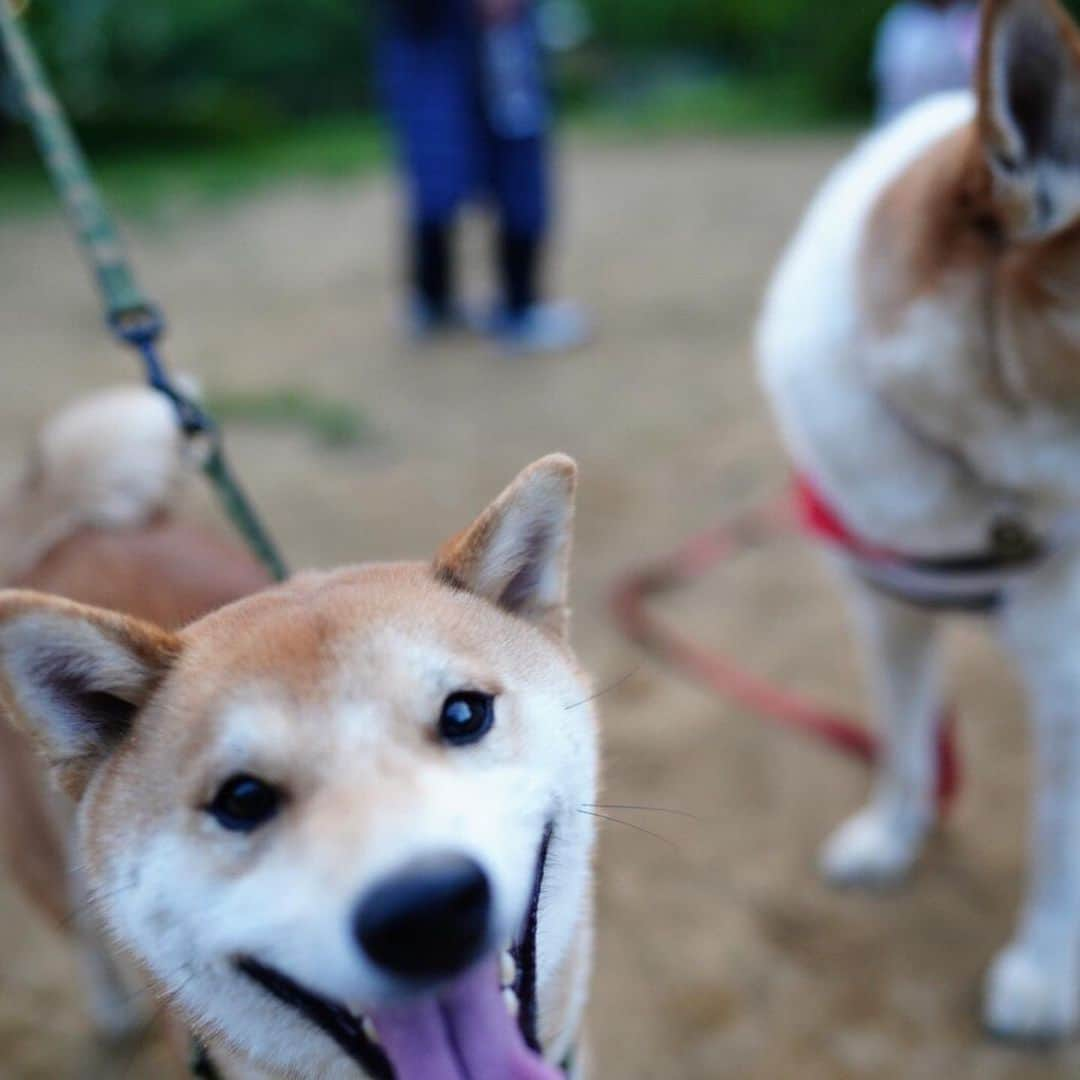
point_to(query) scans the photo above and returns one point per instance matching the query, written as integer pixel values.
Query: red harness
(821, 521)
(970, 582)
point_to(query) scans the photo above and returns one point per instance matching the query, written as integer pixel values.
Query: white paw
(874, 848)
(1032, 994)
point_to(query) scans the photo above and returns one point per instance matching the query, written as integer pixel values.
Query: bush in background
(149, 69)
(204, 67)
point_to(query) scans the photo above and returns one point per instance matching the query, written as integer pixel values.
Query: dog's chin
(481, 1026)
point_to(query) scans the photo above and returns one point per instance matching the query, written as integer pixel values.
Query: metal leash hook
(141, 328)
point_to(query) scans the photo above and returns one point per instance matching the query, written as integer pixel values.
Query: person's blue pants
(433, 88)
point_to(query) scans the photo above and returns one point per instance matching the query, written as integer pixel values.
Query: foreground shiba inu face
(338, 821)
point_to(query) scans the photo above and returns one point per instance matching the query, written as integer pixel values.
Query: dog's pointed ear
(517, 553)
(1029, 101)
(73, 678)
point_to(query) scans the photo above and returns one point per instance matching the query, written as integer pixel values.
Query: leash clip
(141, 327)
(1011, 540)
(137, 326)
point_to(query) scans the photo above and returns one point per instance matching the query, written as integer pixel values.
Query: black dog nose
(429, 920)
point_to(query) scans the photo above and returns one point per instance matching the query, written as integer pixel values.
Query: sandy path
(721, 956)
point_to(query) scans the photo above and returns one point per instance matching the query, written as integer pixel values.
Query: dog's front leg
(1034, 985)
(879, 845)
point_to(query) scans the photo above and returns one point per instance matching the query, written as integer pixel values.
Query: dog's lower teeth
(507, 970)
(510, 1000)
(369, 1030)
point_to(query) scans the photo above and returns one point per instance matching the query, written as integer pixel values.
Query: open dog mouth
(483, 1026)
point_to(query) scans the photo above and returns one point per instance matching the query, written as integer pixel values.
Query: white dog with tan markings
(335, 821)
(921, 344)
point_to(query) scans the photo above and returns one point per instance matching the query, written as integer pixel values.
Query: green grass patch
(332, 424)
(710, 106)
(142, 183)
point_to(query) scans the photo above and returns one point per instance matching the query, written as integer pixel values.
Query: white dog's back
(811, 315)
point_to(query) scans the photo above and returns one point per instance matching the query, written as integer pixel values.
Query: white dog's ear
(1029, 105)
(73, 677)
(517, 553)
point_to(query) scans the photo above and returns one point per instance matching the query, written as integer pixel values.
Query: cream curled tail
(112, 460)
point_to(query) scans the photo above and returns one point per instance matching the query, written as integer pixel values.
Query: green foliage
(158, 70)
(822, 48)
(694, 23)
(204, 67)
(826, 54)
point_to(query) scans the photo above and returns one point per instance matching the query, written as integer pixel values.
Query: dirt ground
(720, 952)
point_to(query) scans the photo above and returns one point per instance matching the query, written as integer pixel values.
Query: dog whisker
(90, 900)
(169, 996)
(630, 825)
(645, 809)
(606, 690)
(164, 997)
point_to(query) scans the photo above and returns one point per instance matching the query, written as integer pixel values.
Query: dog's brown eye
(243, 803)
(466, 717)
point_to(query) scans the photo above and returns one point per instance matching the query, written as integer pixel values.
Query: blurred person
(924, 47)
(465, 89)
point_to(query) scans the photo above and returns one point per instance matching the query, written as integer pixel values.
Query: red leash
(725, 675)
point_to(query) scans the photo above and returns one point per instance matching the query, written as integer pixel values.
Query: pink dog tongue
(466, 1034)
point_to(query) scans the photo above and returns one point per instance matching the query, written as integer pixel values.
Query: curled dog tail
(112, 460)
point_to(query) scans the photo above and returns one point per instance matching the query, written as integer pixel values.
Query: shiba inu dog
(921, 345)
(335, 822)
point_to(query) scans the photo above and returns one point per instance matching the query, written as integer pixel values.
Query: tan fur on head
(110, 461)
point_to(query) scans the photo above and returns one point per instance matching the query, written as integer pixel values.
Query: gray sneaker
(556, 327)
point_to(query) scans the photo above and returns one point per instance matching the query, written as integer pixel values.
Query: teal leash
(133, 319)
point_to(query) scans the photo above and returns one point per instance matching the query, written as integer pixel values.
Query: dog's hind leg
(1033, 990)
(879, 845)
